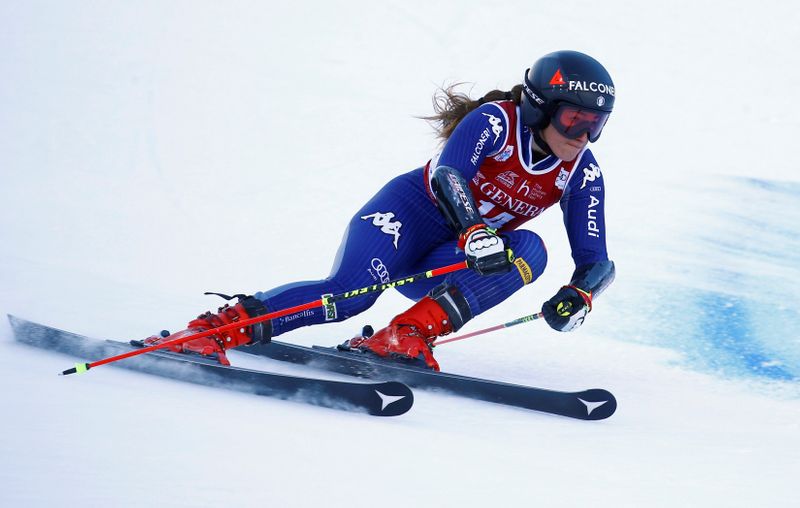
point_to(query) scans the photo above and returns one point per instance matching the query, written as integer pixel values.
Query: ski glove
(567, 309)
(486, 251)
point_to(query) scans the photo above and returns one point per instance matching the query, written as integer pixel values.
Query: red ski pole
(517, 321)
(83, 367)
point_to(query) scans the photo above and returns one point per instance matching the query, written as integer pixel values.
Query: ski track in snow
(725, 305)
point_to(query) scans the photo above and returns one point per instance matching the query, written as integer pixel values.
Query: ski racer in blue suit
(507, 157)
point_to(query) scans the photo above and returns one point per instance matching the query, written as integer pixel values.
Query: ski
(390, 398)
(593, 404)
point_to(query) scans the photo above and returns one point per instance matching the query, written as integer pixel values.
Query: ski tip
(395, 399)
(14, 321)
(599, 404)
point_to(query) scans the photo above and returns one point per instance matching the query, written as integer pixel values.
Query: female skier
(507, 157)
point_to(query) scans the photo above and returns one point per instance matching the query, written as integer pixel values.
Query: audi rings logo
(379, 271)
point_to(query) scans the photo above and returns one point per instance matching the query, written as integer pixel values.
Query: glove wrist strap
(462, 240)
(587, 296)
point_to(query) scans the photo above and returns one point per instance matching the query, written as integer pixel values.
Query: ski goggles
(573, 121)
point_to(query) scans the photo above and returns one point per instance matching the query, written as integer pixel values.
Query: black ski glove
(567, 309)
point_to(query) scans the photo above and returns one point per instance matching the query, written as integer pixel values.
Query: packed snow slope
(150, 151)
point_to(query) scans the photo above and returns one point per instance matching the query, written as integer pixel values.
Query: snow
(151, 151)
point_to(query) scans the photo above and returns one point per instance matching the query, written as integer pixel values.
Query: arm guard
(454, 199)
(594, 278)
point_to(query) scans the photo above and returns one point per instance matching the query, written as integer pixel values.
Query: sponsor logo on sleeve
(505, 154)
(479, 146)
(524, 270)
(590, 174)
(591, 218)
(561, 179)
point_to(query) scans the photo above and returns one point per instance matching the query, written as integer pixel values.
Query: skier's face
(563, 147)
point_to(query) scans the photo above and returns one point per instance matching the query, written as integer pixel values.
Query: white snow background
(150, 151)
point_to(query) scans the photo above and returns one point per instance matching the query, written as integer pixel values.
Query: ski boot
(410, 335)
(215, 345)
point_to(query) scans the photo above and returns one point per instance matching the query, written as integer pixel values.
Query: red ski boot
(410, 334)
(215, 345)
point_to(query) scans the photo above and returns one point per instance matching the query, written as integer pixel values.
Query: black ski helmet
(564, 77)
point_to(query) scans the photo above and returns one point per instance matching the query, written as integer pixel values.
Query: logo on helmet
(601, 100)
(583, 86)
(532, 95)
(557, 78)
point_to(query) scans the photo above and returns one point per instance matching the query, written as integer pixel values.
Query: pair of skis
(389, 397)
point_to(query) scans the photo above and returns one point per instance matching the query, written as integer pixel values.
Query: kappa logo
(384, 221)
(496, 124)
(590, 174)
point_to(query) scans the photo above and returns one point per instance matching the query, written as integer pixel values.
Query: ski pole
(517, 321)
(325, 300)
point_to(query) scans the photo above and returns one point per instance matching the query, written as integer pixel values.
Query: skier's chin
(563, 147)
(567, 153)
